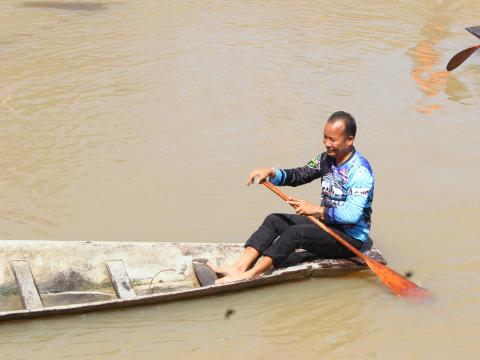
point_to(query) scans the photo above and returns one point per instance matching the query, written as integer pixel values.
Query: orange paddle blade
(459, 58)
(397, 283)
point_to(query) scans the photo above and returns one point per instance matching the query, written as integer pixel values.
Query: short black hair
(348, 120)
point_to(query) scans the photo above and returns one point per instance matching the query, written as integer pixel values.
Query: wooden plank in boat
(120, 279)
(26, 285)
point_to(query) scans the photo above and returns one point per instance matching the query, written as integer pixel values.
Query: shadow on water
(76, 6)
(457, 90)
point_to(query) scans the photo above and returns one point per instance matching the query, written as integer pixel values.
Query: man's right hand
(260, 174)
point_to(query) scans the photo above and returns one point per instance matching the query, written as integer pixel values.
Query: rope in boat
(154, 276)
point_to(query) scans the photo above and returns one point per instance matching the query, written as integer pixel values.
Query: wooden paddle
(400, 285)
(459, 58)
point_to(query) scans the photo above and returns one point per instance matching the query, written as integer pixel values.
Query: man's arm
(298, 176)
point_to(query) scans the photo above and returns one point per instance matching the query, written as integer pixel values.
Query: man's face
(334, 139)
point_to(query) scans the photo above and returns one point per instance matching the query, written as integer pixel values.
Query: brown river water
(140, 121)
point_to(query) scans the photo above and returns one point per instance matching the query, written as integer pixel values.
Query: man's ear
(350, 140)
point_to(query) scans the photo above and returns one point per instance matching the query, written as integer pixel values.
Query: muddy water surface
(127, 121)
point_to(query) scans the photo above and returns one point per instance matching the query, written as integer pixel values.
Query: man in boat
(346, 206)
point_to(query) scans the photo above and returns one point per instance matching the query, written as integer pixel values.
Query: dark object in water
(463, 55)
(229, 313)
(408, 274)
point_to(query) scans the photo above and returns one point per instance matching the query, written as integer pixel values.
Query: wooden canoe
(46, 278)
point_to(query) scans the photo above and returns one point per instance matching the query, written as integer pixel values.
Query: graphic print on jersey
(332, 190)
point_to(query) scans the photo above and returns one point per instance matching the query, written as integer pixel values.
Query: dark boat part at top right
(463, 55)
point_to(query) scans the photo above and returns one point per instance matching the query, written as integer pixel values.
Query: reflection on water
(426, 61)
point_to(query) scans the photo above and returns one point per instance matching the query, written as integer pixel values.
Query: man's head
(339, 133)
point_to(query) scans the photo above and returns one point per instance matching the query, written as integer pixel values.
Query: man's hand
(260, 174)
(303, 207)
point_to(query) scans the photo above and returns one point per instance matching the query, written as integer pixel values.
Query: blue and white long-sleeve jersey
(347, 190)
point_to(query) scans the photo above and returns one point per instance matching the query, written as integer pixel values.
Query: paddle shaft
(399, 285)
(319, 223)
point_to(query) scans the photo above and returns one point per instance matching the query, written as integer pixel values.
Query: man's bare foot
(232, 278)
(225, 270)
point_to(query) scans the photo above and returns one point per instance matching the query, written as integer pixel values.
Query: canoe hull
(160, 272)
